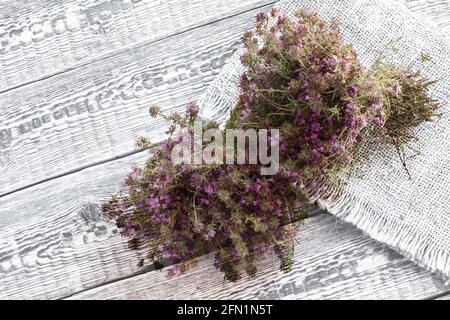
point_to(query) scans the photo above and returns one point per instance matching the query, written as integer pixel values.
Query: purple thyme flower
(354, 90)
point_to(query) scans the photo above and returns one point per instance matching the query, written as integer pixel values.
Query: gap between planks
(446, 297)
(440, 296)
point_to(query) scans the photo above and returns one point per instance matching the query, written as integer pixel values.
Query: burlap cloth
(410, 215)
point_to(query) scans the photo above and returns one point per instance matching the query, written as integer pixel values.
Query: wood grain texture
(96, 113)
(333, 261)
(54, 240)
(42, 38)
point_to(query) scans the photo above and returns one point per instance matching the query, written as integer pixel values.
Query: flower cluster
(304, 79)
(183, 211)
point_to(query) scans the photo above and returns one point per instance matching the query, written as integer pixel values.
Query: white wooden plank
(41, 38)
(333, 261)
(54, 240)
(95, 113)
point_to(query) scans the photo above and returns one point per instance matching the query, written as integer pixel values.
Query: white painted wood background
(76, 80)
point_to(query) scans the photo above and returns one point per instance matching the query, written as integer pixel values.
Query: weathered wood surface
(56, 242)
(42, 38)
(53, 241)
(95, 113)
(333, 260)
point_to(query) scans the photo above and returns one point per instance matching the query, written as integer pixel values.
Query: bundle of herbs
(303, 79)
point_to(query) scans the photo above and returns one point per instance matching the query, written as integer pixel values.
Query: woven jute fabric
(410, 214)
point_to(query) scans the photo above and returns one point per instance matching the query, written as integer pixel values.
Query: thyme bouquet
(303, 79)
